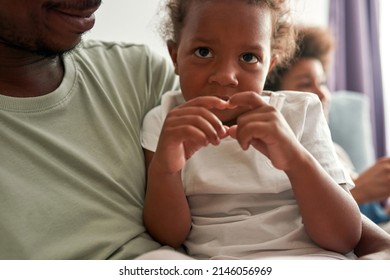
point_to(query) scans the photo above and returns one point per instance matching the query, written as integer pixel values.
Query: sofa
(350, 126)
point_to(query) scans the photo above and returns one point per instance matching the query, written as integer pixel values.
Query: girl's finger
(208, 102)
(248, 99)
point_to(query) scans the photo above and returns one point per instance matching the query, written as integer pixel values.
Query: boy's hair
(283, 37)
(311, 42)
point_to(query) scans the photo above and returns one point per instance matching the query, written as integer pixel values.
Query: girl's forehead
(212, 14)
(227, 10)
(219, 25)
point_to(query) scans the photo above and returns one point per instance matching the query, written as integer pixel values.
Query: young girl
(235, 172)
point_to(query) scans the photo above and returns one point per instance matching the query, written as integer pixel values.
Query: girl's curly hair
(283, 37)
(311, 42)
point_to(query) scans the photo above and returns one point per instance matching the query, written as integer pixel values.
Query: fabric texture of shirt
(242, 206)
(72, 169)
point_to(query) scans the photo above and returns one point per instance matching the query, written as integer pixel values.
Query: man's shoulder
(107, 48)
(91, 44)
(116, 54)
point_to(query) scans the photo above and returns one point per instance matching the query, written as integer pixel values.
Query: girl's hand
(264, 127)
(186, 129)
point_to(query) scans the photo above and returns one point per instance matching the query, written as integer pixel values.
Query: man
(72, 169)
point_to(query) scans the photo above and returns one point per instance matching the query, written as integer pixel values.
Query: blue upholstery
(349, 123)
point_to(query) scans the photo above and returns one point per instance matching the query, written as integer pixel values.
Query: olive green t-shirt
(72, 176)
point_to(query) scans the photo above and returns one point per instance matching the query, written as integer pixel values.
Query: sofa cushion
(350, 125)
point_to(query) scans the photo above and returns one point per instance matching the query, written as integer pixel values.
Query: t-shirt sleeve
(316, 138)
(154, 119)
(151, 128)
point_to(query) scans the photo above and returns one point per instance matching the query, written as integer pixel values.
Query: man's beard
(44, 50)
(37, 47)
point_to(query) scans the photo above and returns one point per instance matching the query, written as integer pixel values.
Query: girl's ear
(272, 63)
(172, 49)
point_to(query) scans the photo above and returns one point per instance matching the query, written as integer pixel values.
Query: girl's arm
(166, 212)
(186, 129)
(330, 215)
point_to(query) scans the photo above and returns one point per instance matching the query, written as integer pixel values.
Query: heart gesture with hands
(199, 122)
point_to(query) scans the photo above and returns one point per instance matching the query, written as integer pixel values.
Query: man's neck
(27, 75)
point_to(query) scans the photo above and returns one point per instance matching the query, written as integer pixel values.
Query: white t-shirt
(242, 206)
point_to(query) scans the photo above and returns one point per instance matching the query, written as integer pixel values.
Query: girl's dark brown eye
(203, 52)
(249, 58)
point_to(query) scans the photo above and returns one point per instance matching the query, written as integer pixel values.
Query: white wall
(313, 12)
(134, 21)
(128, 20)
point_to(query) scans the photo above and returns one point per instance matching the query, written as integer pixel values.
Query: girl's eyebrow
(302, 76)
(199, 39)
(254, 44)
(255, 47)
(203, 40)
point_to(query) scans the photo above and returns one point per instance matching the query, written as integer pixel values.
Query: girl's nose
(323, 93)
(225, 75)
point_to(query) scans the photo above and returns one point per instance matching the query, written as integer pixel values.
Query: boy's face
(224, 48)
(308, 75)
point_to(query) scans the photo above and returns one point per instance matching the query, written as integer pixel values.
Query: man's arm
(374, 243)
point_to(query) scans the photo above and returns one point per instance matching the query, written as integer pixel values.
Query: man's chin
(54, 48)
